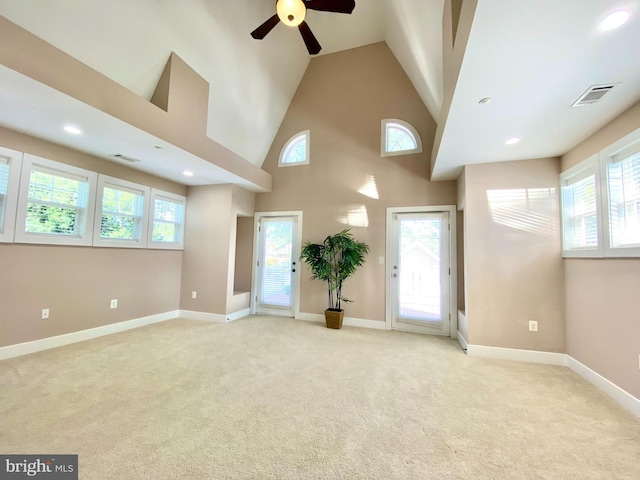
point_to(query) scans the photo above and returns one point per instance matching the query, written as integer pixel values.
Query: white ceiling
(533, 57)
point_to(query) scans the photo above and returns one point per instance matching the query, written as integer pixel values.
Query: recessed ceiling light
(486, 100)
(188, 173)
(614, 20)
(512, 141)
(72, 129)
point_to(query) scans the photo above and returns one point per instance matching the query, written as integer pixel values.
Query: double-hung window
(56, 203)
(581, 219)
(122, 209)
(601, 203)
(10, 164)
(623, 195)
(166, 222)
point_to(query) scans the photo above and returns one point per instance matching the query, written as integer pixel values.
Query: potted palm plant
(333, 261)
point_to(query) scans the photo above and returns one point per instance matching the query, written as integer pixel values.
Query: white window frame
(290, 144)
(31, 162)
(174, 198)
(623, 148)
(117, 183)
(568, 177)
(384, 126)
(14, 161)
(598, 163)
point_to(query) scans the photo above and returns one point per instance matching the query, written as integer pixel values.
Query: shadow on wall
(532, 210)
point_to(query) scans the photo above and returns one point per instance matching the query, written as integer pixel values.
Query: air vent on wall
(593, 94)
(119, 156)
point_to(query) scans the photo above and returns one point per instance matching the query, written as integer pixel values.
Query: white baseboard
(26, 348)
(621, 396)
(347, 321)
(463, 342)
(238, 315)
(532, 356)
(203, 316)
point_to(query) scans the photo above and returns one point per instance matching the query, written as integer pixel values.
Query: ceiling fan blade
(261, 32)
(337, 6)
(309, 39)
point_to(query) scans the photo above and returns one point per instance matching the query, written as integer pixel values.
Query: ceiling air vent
(119, 156)
(593, 94)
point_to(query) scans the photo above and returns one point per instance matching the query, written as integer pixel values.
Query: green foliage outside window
(53, 204)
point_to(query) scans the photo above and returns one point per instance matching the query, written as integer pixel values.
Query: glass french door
(277, 264)
(420, 272)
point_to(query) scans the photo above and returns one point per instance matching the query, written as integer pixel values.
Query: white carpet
(271, 398)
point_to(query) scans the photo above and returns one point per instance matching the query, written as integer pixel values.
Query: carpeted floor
(272, 398)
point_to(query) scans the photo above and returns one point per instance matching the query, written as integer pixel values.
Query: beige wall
(602, 313)
(77, 283)
(342, 99)
(207, 239)
(209, 250)
(244, 254)
(514, 269)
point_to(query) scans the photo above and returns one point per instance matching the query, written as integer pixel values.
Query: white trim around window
(409, 140)
(620, 174)
(49, 192)
(122, 214)
(291, 154)
(10, 167)
(611, 181)
(581, 210)
(166, 220)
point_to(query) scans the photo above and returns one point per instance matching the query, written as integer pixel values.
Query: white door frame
(297, 235)
(453, 287)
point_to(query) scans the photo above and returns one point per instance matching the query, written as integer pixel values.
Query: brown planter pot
(334, 318)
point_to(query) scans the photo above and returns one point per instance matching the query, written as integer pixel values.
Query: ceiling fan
(292, 13)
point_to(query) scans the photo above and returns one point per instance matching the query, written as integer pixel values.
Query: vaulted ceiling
(533, 57)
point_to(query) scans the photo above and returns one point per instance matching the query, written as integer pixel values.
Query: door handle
(395, 274)
(294, 270)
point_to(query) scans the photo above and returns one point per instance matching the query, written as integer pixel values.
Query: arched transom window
(296, 150)
(398, 138)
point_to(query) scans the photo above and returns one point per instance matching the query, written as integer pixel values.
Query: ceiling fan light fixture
(291, 12)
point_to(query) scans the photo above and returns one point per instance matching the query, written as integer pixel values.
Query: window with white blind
(296, 151)
(10, 163)
(166, 222)
(398, 138)
(580, 210)
(56, 203)
(601, 203)
(623, 184)
(122, 209)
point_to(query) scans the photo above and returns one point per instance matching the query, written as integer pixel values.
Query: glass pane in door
(277, 260)
(420, 270)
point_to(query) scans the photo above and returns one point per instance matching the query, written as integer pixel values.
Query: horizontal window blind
(4, 185)
(56, 202)
(623, 175)
(580, 219)
(167, 220)
(122, 211)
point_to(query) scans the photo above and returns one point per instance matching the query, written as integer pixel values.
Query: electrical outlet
(114, 303)
(533, 326)
(381, 260)
(45, 313)
(194, 294)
